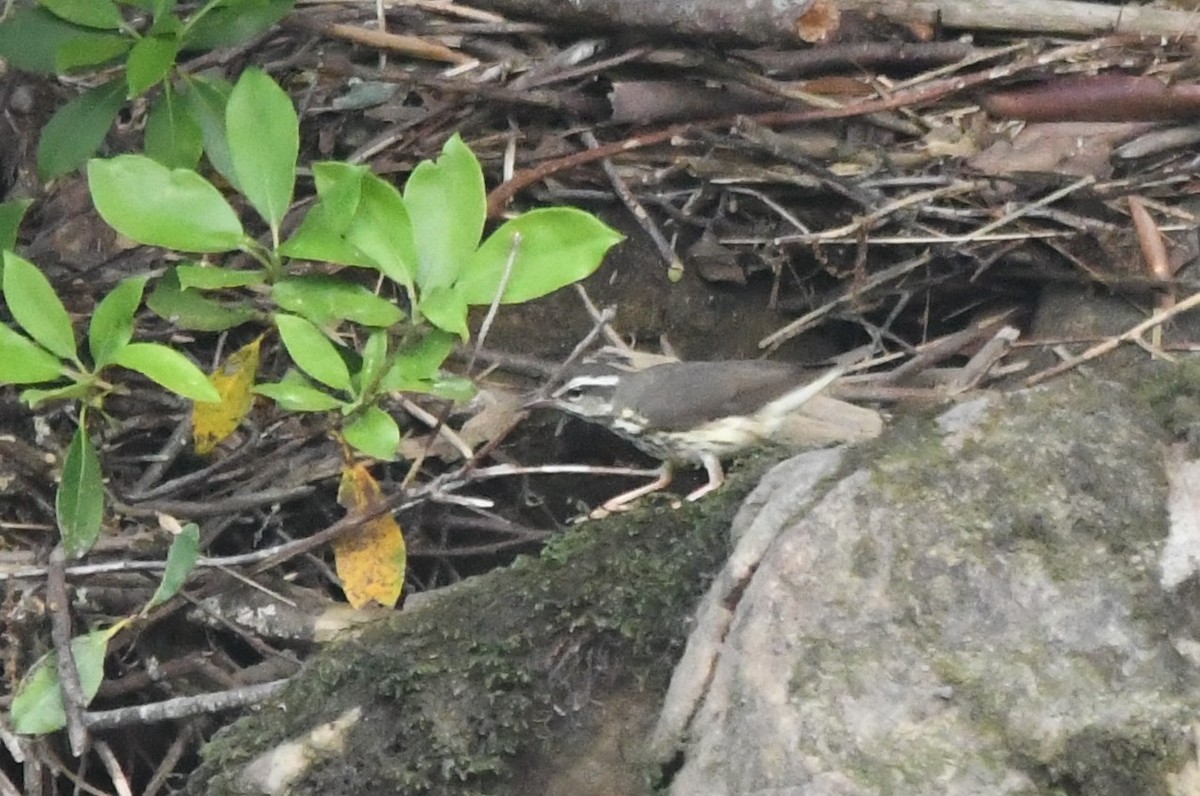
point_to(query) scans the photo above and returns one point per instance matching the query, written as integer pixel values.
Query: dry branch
(766, 22)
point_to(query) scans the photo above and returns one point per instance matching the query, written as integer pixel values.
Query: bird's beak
(540, 403)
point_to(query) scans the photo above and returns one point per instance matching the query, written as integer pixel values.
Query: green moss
(452, 692)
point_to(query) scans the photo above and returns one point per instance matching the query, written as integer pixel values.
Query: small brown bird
(690, 412)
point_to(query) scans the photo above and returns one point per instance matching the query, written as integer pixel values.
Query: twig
(119, 780)
(503, 193)
(59, 605)
(212, 508)
(167, 764)
(514, 247)
(674, 264)
(1111, 343)
(437, 426)
(778, 337)
(594, 312)
(182, 707)
(1048, 199)
(409, 45)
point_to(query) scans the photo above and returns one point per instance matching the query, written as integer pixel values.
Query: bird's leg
(716, 477)
(622, 501)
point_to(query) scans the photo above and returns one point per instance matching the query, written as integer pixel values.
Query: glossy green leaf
(558, 246)
(149, 62)
(89, 51)
(31, 36)
(381, 229)
(79, 502)
(111, 327)
(102, 14)
(35, 306)
(24, 361)
(205, 101)
(181, 559)
(212, 277)
(326, 300)
(77, 129)
(173, 208)
(37, 706)
(191, 309)
(235, 22)
(172, 135)
(295, 394)
(446, 309)
(169, 368)
(447, 205)
(312, 351)
(12, 213)
(373, 432)
(264, 140)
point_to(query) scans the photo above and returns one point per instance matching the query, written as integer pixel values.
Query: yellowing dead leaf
(371, 560)
(213, 422)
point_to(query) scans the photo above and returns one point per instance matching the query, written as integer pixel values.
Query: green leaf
(205, 102)
(212, 277)
(30, 37)
(90, 50)
(77, 129)
(415, 365)
(72, 392)
(111, 326)
(35, 306)
(181, 558)
(172, 135)
(102, 14)
(149, 62)
(381, 229)
(325, 300)
(374, 357)
(172, 208)
(373, 432)
(79, 503)
(447, 205)
(446, 309)
(451, 386)
(312, 351)
(295, 394)
(232, 22)
(317, 239)
(264, 140)
(164, 21)
(559, 245)
(37, 706)
(25, 362)
(340, 187)
(190, 309)
(322, 234)
(169, 368)
(11, 214)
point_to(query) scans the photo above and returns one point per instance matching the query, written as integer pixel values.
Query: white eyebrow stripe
(587, 381)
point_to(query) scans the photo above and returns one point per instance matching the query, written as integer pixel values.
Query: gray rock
(976, 608)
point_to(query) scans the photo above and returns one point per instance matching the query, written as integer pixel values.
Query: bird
(691, 413)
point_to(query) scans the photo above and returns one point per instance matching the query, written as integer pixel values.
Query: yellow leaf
(371, 560)
(213, 422)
